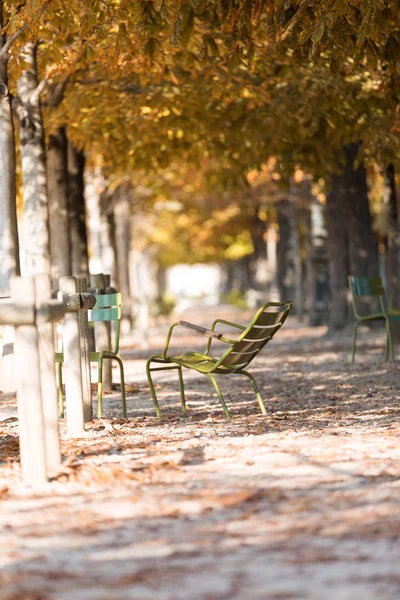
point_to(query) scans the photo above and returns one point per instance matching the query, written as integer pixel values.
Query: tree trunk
(390, 199)
(109, 248)
(352, 248)
(289, 279)
(161, 281)
(272, 261)
(338, 258)
(242, 276)
(283, 250)
(77, 213)
(57, 178)
(122, 219)
(309, 264)
(258, 260)
(9, 245)
(227, 277)
(36, 209)
(298, 295)
(353, 195)
(316, 288)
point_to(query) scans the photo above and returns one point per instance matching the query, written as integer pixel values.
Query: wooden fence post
(48, 377)
(84, 342)
(72, 365)
(102, 331)
(29, 389)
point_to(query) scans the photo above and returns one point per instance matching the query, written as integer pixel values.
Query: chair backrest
(265, 323)
(108, 308)
(364, 288)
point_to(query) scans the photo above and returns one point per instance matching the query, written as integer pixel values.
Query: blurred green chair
(107, 309)
(362, 287)
(266, 322)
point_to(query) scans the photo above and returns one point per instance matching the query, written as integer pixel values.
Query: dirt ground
(301, 504)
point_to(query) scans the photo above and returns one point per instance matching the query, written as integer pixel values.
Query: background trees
(184, 103)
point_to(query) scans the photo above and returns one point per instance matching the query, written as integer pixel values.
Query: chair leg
(100, 387)
(353, 354)
(221, 398)
(389, 342)
(60, 391)
(182, 392)
(386, 345)
(123, 393)
(257, 392)
(151, 385)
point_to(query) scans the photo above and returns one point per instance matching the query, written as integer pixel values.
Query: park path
(300, 505)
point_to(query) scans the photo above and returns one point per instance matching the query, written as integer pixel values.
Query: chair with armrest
(236, 358)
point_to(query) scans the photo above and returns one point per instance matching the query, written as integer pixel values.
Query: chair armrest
(229, 323)
(201, 330)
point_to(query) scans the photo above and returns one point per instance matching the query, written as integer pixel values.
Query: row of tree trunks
(54, 227)
(9, 245)
(352, 247)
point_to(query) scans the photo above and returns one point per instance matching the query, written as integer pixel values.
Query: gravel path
(301, 504)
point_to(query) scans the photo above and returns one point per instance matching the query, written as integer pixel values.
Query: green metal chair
(371, 287)
(266, 322)
(107, 309)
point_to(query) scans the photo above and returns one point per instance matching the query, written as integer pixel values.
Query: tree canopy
(153, 86)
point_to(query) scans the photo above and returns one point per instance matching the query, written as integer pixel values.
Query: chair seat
(194, 360)
(392, 316)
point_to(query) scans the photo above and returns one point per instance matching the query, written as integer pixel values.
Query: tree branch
(34, 96)
(55, 93)
(10, 41)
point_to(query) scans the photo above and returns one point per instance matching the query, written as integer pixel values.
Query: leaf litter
(300, 504)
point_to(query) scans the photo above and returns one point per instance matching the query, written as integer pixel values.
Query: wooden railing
(33, 312)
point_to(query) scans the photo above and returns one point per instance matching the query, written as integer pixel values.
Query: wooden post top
(79, 301)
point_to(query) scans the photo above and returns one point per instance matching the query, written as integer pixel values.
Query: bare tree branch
(34, 97)
(10, 41)
(55, 93)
